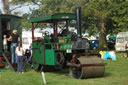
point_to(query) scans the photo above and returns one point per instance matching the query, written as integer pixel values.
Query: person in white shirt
(20, 57)
(5, 47)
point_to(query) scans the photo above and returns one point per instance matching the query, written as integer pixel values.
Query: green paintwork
(46, 56)
(50, 57)
(47, 38)
(66, 46)
(42, 55)
(58, 16)
(38, 52)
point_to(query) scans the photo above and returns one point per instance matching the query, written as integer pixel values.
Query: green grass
(116, 73)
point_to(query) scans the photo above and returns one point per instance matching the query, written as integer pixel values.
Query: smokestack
(78, 21)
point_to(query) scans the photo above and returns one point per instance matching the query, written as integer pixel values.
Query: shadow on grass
(65, 72)
(26, 67)
(62, 72)
(106, 74)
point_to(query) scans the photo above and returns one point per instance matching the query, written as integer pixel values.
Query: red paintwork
(9, 57)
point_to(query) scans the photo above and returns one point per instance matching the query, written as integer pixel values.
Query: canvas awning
(52, 18)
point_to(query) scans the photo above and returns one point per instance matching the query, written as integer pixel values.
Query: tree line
(100, 17)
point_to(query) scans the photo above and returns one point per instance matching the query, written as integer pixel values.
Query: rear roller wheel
(59, 60)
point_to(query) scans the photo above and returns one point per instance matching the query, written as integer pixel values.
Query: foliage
(119, 16)
(25, 23)
(115, 12)
(99, 17)
(105, 17)
(98, 14)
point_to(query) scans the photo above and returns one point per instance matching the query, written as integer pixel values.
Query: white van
(27, 39)
(121, 39)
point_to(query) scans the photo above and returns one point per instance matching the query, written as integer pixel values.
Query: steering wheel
(64, 32)
(46, 33)
(61, 30)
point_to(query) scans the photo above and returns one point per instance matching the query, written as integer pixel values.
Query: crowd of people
(17, 52)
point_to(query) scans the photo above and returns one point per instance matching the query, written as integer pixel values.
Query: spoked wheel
(59, 60)
(76, 71)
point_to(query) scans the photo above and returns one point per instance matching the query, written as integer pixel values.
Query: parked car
(94, 44)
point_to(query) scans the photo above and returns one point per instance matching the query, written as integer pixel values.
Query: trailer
(7, 24)
(121, 39)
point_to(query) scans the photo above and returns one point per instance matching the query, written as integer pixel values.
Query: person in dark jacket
(14, 38)
(28, 54)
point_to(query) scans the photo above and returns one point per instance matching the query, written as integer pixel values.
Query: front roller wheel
(76, 72)
(87, 71)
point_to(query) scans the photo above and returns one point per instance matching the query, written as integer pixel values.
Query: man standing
(15, 38)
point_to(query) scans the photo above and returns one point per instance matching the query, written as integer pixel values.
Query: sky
(24, 9)
(0, 5)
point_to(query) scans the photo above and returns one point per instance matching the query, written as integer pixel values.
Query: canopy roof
(8, 16)
(52, 18)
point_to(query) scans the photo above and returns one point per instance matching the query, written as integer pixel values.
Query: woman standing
(20, 53)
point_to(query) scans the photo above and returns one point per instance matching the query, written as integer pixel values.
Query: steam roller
(55, 51)
(86, 67)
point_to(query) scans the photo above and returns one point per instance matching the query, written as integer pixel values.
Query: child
(28, 54)
(19, 52)
(5, 43)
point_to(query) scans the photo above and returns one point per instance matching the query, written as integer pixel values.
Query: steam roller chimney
(78, 20)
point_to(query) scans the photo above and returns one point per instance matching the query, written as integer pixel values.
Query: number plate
(69, 51)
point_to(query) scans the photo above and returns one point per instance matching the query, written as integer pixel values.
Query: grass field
(116, 73)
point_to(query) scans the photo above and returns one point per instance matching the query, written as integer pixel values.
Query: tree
(11, 5)
(98, 16)
(119, 16)
(105, 17)
(48, 7)
(5, 6)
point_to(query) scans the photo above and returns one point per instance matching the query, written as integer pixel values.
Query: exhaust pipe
(78, 21)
